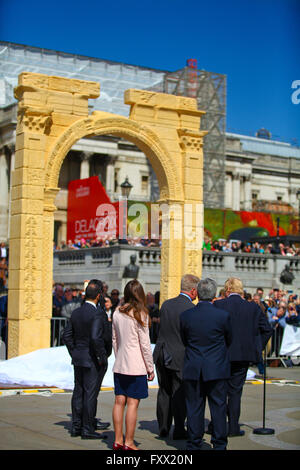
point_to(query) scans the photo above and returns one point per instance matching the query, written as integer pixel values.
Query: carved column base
(25, 336)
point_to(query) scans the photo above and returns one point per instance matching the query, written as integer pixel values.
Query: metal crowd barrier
(273, 350)
(3, 338)
(58, 324)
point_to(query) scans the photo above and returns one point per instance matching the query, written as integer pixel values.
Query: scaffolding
(207, 87)
(210, 91)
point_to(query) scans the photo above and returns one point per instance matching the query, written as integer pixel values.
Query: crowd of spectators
(281, 308)
(66, 299)
(238, 246)
(80, 243)
(232, 246)
(3, 265)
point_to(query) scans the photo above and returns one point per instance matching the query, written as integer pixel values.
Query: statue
(131, 270)
(286, 276)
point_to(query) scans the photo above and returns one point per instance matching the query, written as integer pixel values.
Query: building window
(116, 179)
(145, 182)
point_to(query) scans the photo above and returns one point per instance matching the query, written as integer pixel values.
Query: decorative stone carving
(30, 267)
(34, 120)
(191, 141)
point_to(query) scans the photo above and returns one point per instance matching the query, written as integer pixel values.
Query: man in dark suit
(107, 338)
(168, 357)
(206, 334)
(250, 334)
(83, 337)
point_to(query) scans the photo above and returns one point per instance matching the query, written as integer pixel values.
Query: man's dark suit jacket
(107, 333)
(169, 341)
(250, 328)
(84, 337)
(206, 333)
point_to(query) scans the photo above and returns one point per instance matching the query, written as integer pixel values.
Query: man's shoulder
(230, 300)
(177, 303)
(220, 309)
(189, 311)
(85, 307)
(179, 299)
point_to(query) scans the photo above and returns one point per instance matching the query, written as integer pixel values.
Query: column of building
(236, 187)
(5, 154)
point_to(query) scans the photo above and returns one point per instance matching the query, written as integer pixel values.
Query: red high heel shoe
(128, 448)
(117, 446)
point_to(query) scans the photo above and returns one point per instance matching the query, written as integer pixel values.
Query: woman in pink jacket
(133, 361)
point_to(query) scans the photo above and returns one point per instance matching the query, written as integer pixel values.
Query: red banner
(91, 214)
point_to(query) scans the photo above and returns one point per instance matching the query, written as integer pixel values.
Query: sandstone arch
(52, 116)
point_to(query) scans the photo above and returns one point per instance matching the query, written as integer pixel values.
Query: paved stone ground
(40, 420)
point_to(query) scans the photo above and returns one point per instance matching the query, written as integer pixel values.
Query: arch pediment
(100, 123)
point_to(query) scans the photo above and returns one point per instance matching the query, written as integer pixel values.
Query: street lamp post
(125, 191)
(126, 188)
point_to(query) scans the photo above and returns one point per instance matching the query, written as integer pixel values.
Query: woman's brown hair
(135, 300)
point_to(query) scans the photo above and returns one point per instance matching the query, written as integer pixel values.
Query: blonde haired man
(250, 334)
(233, 285)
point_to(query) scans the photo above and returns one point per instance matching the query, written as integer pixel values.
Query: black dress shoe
(238, 434)
(180, 435)
(101, 425)
(163, 433)
(75, 432)
(93, 435)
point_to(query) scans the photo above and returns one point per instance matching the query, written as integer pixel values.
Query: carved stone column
(47, 107)
(176, 121)
(25, 297)
(193, 210)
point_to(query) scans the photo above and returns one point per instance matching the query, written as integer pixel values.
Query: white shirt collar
(186, 295)
(92, 303)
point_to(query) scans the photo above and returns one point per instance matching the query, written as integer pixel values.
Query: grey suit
(168, 356)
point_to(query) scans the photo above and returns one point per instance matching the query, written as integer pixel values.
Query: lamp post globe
(126, 188)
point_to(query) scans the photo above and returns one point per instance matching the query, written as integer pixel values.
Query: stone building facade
(261, 174)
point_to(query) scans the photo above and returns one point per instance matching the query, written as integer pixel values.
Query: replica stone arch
(52, 116)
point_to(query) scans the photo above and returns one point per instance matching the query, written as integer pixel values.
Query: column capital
(86, 155)
(9, 149)
(235, 175)
(34, 120)
(191, 141)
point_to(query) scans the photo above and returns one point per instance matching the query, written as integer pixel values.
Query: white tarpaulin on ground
(290, 345)
(52, 368)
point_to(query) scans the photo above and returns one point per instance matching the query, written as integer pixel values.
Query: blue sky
(256, 43)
